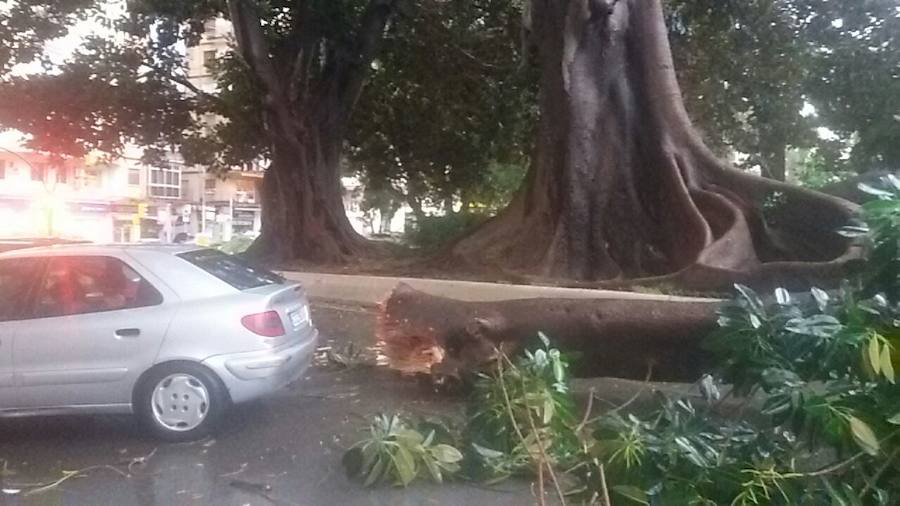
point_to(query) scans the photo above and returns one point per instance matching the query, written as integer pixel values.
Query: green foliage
(751, 105)
(853, 83)
(521, 413)
(839, 56)
(819, 372)
(431, 232)
(814, 170)
(26, 26)
(398, 451)
(501, 181)
(880, 226)
(447, 111)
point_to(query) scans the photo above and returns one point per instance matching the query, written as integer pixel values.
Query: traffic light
(142, 209)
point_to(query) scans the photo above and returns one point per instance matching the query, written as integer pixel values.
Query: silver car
(173, 334)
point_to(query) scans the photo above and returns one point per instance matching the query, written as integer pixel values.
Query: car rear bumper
(257, 374)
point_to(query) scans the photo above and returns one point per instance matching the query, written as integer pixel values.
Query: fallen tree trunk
(423, 333)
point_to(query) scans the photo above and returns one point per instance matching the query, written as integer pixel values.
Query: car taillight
(266, 324)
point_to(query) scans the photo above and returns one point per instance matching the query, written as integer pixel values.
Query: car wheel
(180, 401)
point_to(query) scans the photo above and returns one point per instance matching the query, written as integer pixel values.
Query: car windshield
(231, 269)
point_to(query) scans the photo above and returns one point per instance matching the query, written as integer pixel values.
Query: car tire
(180, 401)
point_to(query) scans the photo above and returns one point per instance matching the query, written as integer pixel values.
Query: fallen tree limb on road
(423, 333)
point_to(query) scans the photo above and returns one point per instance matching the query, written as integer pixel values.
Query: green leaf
(852, 231)
(559, 370)
(691, 452)
(821, 297)
(446, 454)
(852, 496)
(864, 436)
(782, 296)
(773, 377)
(881, 497)
(875, 354)
(433, 469)
(375, 472)
(753, 300)
(871, 190)
(405, 466)
(544, 339)
(409, 437)
(755, 321)
(894, 420)
(634, 493)
(837, 497)
(488, 453)
(887, 367)
(820, 325)
(547, 410)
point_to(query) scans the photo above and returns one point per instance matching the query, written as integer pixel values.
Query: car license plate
(299, 317)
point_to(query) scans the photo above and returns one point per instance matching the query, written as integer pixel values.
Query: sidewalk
(368, 290)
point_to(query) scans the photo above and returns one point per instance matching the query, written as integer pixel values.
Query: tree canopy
(445, 91)
(449, 109)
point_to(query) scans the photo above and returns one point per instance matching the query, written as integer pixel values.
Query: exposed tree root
(623, 191)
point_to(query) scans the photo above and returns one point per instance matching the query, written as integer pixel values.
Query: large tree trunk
(303, 211)
(422, 333)
(622, 187)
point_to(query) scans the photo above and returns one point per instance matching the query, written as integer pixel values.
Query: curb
(369, 290)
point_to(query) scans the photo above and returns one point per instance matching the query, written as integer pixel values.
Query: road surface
(285, 450)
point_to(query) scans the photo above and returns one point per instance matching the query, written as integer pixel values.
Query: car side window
(18, 277)
(92, 284)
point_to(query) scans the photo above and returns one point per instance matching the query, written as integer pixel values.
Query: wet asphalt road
(285, 450)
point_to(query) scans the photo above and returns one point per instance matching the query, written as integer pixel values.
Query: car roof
(99, 249)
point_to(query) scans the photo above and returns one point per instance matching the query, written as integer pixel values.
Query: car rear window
(232, 269)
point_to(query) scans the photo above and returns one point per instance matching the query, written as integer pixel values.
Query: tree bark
(302, 205)
(422, 333)
(302, 197)
(622, 188)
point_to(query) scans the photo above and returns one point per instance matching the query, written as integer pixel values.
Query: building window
(209, 27)
(209, 59)
(134, 177)
(90, 178)
(165, 182)
(210, 184)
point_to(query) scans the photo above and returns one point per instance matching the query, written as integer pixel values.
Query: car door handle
(128, 332)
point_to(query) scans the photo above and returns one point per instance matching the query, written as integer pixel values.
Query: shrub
(819, 420)
(880, 227)
(431, 232)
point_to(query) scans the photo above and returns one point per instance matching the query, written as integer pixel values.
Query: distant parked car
(173, 334)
